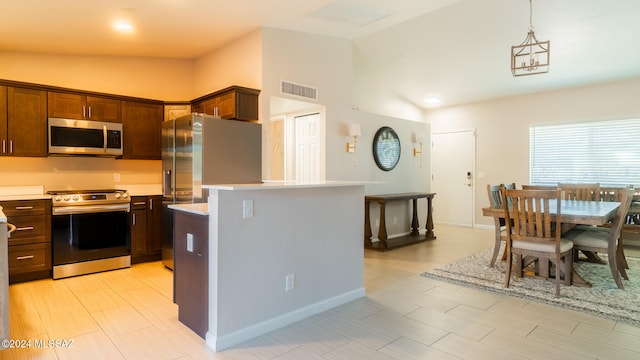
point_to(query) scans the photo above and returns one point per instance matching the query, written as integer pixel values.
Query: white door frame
(473, 168)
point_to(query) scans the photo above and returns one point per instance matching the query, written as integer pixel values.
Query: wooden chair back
(530, 215)
(611, 193)
(621, 215)
(588, 192)
(495, 197)
(532, 231)
(539, 187)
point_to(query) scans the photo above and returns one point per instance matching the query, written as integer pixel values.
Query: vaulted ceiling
(457, 50)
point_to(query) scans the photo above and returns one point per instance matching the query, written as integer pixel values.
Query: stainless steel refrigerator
(198, 150)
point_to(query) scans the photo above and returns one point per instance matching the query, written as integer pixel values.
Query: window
(607, 152)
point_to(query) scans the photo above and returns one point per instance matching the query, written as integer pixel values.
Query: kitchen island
(279, 253)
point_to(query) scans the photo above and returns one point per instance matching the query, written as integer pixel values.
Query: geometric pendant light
(532, 56)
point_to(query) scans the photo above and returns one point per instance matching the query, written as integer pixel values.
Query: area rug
(602, 299)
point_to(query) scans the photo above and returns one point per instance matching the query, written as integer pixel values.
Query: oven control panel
(88, 197)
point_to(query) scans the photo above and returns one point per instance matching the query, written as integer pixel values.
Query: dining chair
(589, 192)
(530, 233)
(610, 193)
(539, 187)
(495, 201)
(609, 240)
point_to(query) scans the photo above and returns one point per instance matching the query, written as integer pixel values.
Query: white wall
(319, 61)
(314, 233)
(152, 78)
(327, 63)
(237, 63)
(502, 125)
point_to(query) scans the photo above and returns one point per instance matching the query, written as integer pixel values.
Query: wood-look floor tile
(313, 336)
(148, 343)
(403, 326)
(374, 338)
(94, 345)
(100, 300)
(524, 347)
(84, 284)
(356, 351)
(120, 280)
(610, 337)
(120, 320)
(407, 349)
(65, 325)
(450, 323)
(588, 348)
(468, 349)
(144, 297)
(506, 321)
(28, 354)
(300, 353)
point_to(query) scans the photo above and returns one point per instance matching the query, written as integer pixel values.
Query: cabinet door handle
(4, 146)
(139, 203)
(89, 112)
(24, 228)
(84, 112)
(26, 257)
(151, 204)
(10, 146)
(134, 218)
(24, 207)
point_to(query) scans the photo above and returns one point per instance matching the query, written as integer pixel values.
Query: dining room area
(550, 227)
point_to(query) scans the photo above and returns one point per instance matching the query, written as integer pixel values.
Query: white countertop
(198, 209)
(10, 193)
(267, 185)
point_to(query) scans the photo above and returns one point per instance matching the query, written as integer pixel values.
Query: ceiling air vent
(307, 92)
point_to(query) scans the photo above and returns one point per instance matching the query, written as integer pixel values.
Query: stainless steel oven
(89, 231)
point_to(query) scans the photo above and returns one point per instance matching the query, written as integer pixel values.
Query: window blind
(605, 152)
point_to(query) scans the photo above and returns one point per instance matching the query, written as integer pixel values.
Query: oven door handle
(66, 210)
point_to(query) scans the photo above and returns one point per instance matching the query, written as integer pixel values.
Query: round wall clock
(386, 148)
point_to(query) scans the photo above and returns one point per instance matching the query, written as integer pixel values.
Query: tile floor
(128, 314)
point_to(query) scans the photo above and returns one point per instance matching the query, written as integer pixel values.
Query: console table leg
(415, 225)
(367, 224)
(430, 234)
(382, 232)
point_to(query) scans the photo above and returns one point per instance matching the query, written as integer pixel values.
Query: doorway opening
(296, 140)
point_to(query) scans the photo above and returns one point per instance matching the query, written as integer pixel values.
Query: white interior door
(452, 162)
(307, 148)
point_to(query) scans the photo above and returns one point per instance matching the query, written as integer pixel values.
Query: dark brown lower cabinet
(191, 270)
(146, 228)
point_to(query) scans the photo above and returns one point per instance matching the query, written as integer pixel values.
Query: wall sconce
(417, 148)
(354, 131)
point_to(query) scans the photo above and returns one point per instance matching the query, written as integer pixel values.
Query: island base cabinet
(191, 270)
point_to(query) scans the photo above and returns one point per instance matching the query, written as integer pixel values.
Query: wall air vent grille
(290, 88)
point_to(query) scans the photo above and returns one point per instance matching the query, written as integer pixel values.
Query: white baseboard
(220, 343)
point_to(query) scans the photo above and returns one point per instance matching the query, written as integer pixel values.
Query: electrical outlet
(247, 208)
(290, 282)
(189, 242)
(116, 177)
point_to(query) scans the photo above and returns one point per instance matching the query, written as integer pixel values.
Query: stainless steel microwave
(84, 137)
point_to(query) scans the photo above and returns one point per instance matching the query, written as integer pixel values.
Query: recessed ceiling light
(123, 26)
(432, 101)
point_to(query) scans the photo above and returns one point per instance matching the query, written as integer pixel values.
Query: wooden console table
(413, 237)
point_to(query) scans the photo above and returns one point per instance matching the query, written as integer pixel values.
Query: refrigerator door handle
(167, 188)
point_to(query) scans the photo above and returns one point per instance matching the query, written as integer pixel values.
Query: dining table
(572, 212)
